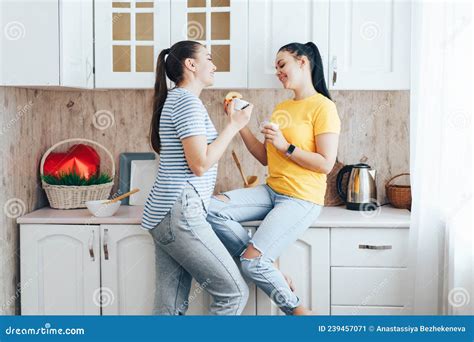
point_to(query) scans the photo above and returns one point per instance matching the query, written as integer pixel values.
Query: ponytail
(159, 98)
(311, 51)
(171, 66)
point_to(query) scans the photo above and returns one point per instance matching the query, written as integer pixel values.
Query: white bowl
(100, 209)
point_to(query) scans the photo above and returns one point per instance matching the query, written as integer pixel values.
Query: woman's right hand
(239, 118)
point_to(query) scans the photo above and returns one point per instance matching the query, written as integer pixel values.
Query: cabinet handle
(91, 246)
(106, 247)
(375, 247)
(334, 70)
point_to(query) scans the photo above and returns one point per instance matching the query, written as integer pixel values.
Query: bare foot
(302, 311)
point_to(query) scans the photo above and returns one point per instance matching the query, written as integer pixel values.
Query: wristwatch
(290, 150)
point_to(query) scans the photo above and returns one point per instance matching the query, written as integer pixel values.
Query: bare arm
(323, 159)
(201, 156)
(255, 147)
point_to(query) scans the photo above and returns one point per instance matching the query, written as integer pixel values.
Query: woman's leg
(280, 228)
(195, 247)
(172, 281)
(227, 210)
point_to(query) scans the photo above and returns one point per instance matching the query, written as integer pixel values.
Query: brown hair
(173, 67)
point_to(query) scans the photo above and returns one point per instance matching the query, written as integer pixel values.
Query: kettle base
(368, 206)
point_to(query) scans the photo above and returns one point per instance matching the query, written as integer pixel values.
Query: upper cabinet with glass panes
(115, 43)
(129, 35)
(220, 25)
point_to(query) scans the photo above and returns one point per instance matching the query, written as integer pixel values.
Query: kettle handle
(340, 175)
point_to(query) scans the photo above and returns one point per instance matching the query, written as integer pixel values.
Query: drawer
(387, 247)
(337, 310)
(368, 286)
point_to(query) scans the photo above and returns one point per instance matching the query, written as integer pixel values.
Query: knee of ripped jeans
(250, 263)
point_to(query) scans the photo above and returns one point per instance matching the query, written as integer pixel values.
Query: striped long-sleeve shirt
(183, 115)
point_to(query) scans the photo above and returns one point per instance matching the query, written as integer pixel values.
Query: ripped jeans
(284, 218)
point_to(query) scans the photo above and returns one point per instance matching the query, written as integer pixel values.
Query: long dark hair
(173, 67)
(311, 51)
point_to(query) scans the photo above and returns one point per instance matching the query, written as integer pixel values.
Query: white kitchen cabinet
(60, 269)
(369, 44)
(47, 43)
(70, 266)
(274, 23)
(129, 36)
(127, 270)
(375, 262)
(307, 263)
(221, 25)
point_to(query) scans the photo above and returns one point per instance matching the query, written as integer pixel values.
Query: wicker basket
(70, 196)
(399, 195)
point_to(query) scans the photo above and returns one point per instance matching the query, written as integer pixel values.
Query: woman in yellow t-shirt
(300, 148)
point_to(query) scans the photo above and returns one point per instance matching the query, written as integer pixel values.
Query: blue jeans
(284, 218)
(186, 247)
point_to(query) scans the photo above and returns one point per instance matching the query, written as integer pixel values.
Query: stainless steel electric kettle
(360, 192)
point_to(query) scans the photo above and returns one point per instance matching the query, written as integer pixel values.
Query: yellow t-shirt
(300, 121)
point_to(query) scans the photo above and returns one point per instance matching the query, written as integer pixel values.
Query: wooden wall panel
(374, 128)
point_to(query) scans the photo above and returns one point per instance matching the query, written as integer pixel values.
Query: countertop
(385, 216)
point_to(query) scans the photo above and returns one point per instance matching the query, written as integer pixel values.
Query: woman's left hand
(274, 136)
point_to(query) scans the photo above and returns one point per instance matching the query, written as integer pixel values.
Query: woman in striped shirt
(176, 208)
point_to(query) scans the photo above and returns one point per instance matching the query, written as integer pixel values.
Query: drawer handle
(375, 247)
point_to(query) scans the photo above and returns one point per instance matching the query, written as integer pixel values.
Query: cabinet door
(60, 269)
(129, 35)
(29, 45)
(307, 263)
(128, 270)
(370, 286)
(274, 23)
(221, 25)
(369, 44)
(76, 21)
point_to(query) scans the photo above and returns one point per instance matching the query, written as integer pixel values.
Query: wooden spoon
(122, 196)
(240, 168)
(249, 181)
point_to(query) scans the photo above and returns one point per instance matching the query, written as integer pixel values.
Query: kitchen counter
(385, 217)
